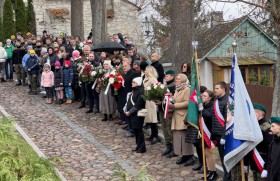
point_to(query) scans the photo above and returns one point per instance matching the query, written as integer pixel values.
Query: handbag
(141, 112)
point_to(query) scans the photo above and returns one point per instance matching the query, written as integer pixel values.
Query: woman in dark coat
(186, 69)
(135, 103)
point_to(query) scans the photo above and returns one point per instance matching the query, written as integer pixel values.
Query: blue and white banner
(243, 132)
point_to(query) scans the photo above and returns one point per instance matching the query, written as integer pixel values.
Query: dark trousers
(9, 68)
(96, 99)
(89, 94)
(49, 92)
(83, 93)
(199, 151)
(154, 130)
(77, 92)
(33, 81)
(227, 175)
(140, 140)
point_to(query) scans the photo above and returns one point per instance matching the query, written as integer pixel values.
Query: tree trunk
(99, 25)
(276, 93)
(181, 18)
(77, 18)
(1, 7)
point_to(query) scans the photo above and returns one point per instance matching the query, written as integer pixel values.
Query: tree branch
(242, 1)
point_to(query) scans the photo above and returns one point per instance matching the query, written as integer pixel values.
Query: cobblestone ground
(88, 147)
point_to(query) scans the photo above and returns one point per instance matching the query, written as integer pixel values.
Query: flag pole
(234, 45)
(195, 43)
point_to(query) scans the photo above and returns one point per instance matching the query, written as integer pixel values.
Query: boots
(47, 100)
(3, 80)
(23, 83)
(212, 176)
(60, 101)
(169, 149)
(30, 90)
(110, 117)
(105, 118)
(18, 83)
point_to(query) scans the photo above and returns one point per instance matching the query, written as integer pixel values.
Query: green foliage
(30, 17)
(20, 15)
(8, 20)
(1, 29)
(264, 80)
(18, 161)
(155, 92)
(142, 175)
(253, 77)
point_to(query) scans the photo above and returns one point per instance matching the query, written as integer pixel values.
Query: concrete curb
(219, 169)
(30, 142)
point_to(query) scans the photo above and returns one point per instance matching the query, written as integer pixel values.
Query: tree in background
(8, 20)
(77, 18)
(1, 29)
(20, 16)
(99, 28)
(30, 15)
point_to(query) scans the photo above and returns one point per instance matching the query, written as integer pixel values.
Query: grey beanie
(8, 40)
(44, 50)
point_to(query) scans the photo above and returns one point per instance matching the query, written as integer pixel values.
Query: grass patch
(18, 161)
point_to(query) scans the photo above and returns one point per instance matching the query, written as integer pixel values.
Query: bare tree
(99, 25)
(273, 8)
(181, 19)
(77, 18)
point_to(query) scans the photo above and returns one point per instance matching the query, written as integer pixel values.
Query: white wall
(206, 77)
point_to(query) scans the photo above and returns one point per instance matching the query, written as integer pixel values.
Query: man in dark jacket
(129, 75)
(158, 66)
(72, 46)
(17, 56)
(33, 71)
(273, 166)
(262, 147)
(219, 118)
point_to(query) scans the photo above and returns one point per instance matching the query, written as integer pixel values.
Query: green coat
(9, 51)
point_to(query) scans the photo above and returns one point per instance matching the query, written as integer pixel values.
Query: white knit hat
(138, 80)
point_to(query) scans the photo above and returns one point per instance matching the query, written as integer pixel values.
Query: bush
(20, 14)
(18, 161)
(8, 20)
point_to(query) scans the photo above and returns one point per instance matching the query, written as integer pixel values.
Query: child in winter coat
(68, 76)
(58, 82)
(32, 69)
(47, 81)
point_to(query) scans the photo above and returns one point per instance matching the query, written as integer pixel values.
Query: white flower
(113, 72)
(111, 80)
(100, 70)
(155, 86)
(93, 73)
(168, 90)
(162, 86)
(149, 88)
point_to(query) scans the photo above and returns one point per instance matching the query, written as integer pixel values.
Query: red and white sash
(207, 134)
(258, 159)
(166, 100)
(218, 114)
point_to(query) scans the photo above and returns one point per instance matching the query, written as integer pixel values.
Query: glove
(264, 174)
(222, 141)
(200, 108)
(245, 169)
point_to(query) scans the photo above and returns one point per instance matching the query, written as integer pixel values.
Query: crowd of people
(60, 68)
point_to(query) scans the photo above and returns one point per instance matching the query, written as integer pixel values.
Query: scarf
(182, 86)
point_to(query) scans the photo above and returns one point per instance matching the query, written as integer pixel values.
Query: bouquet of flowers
(116, 80)
(155, 92)
(96, 75)
(85, 72)
(120, 69)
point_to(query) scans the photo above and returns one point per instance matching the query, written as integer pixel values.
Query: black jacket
(122, 92)
(18, 54)
(58, 78)
(262, 147)
(218, 131)
(158, 66)
(32, 64)
(273, 166)
(207, 114)
(139, 103)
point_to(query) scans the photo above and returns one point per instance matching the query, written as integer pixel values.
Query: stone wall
(54, 16)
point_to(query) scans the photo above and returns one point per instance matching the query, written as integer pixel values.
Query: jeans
(68, 92)
(9, 68)
(2, 69)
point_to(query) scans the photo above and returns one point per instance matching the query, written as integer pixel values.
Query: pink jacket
(47, 79)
